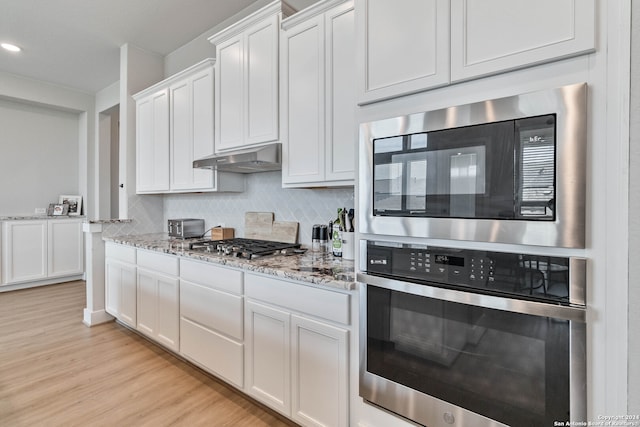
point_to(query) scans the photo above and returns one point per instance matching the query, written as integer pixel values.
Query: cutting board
(261, 225)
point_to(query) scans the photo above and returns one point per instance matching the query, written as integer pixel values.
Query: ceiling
(76, 43)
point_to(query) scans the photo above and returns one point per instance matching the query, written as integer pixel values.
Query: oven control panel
(538, 276)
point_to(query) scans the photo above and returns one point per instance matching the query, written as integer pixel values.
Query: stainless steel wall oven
(475, 337)
(508, 170)
(472, 337)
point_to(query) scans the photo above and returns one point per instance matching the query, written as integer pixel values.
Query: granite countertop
(317, 268)
(36, 217)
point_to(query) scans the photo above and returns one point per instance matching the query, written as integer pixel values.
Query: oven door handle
(571, 313)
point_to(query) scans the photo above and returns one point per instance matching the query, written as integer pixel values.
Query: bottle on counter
(336, 240)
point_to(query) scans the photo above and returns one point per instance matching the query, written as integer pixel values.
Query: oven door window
(454, 173)
(510, 367)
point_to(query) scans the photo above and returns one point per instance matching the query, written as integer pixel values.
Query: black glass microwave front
(502, 170)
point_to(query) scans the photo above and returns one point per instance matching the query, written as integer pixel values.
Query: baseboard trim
(92, 318)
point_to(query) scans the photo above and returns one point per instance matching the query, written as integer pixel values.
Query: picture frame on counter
(74, 202)
(58, 209)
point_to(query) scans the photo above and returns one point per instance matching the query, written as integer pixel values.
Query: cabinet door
(202, 130)
(303, 102)
(65, 248)
(112, 284)
(341, 135)
(152, 143)
(498, 35)
(191, 127)
(146, 300)
(268, 363)
(403, 47)
(181, 116)
(157, 307)
(120, 291)
(25, 251)
(261, 73)
(229, 94)
(168, 315)
(320, 379)
(127, 306)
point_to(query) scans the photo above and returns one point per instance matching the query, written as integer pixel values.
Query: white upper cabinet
(318, 98)
(175, 126)
(403, 47)
(191, 127)
(246, 83)
(152, 141)
(498, 35)
(408, 46)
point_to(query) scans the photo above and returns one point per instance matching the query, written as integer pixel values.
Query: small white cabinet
(297, 353)
(403, 47)
(174, 127)
(212, 319)
(35, 250)
(24, 251)
(246, 83)
(157, 293)
(318, 97)
(120, 283)
(499, 35)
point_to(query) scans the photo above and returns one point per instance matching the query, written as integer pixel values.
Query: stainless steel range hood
(259, 159)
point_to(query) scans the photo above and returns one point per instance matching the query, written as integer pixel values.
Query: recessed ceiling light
(10, 47)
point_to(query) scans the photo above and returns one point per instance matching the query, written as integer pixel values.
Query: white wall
(39, 157)
(54, 100)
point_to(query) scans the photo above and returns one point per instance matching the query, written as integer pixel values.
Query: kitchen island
(278, 327)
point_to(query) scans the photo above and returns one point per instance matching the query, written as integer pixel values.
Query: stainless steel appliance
(508, 170)
(245, 248)
(259, 159)
(184, 228)
(472, 337)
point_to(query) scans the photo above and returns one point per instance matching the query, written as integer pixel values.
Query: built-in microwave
(508, 170)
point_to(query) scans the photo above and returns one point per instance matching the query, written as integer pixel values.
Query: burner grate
(242, 248)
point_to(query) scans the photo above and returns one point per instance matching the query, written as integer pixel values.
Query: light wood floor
(54, 371)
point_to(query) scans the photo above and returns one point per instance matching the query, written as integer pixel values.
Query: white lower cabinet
(35, 250)
(320, 373)
(120, 283)
(297, 350)
(211, 319)
(157, 298)
(65, 247)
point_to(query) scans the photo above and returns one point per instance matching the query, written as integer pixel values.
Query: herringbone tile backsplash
(263, 193)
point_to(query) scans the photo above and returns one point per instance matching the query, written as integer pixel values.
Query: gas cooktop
(245, 248)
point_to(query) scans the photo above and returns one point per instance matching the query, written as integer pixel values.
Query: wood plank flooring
(55, 371)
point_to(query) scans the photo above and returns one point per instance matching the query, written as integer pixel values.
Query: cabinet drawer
(212, 276)
(160, 263)
(120, 252)
(215, 353)
(333, 306)
(211, 308)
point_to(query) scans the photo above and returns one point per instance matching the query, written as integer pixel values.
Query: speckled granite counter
(36, 217)
(319, 269)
